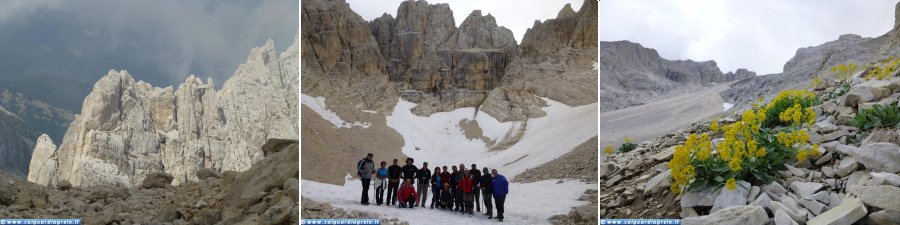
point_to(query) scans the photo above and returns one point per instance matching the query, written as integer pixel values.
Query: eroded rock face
(424, 58)
(270, 186)
(634, 74)
(129, 129)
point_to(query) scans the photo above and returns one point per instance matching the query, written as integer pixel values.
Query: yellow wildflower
(714, 126)
(627, 139)
(735, 164)
(730, 184)
(801, 155)
(608, 150)
(814, 150)
(761, 152)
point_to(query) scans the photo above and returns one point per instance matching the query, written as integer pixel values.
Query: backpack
(359, 167)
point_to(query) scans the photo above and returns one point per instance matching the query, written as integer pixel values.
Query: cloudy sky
(760, 35)
(159, 41)
(517, 15)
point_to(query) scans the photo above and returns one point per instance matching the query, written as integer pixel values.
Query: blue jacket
(383, 172)
(500, 185)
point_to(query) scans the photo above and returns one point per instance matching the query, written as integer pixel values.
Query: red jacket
(466, 184)
(404, 193)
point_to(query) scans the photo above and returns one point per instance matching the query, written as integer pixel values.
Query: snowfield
(441, 141)
(529, 203)
(318, 104)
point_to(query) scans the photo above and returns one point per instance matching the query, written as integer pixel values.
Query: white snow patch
(369, 111)
(526, 203)
(727, 106)
(442, 142)
(318, 105)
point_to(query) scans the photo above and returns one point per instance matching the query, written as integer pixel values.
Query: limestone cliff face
(424, 58)
(556, 61)
(634, 74)
(15, 144)
(129, 128)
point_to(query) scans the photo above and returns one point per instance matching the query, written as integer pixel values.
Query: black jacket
(409, 172)
(476, 177)
(445, 196)
(486, 181)
(453, 181)
(424, 175)
(394, 172)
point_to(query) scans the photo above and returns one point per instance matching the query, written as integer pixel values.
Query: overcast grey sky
(517, 15)
(208, 38)
(760, 35)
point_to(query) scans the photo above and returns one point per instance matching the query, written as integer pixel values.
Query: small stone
(846, 166)
(889, 178)
(847, 212)
(885, 217)
(754, 191)
(157, 180)
(796, 171)
(738, 215)
(857, 178)
(664, 155)
(805, 189)
(729, 198)
(706, 197)
(821, 196)
(824, 159)
(813, 206)
(782, 218)
(204, 173)
(658, 182)
(763, 200)
(882, 196)
(64, 185)
(828, 171)
(879, 157)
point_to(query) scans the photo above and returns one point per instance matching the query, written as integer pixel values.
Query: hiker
(476, 177)
(424, 176)
(466, 186)
(393, 183)
(436, 186)
(409, 170)
(445, 201)
(486, 190)
(408, 194)
(501, 188)
(365, 168)
(454, 187)
(380, 180)
(459, 195)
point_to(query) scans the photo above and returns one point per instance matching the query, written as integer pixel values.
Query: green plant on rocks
(878, 116)
(627, 146)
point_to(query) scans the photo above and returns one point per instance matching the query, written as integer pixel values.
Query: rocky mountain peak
(566, 11)
(129, 128)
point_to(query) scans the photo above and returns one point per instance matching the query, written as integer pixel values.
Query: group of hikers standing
(459, 190)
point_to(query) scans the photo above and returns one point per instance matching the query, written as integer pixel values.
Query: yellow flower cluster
(608, 150)
(797, 114)
(844, 68)
(884, 70)
(790, 95)
(628, 139)
(714, 126)
(682, 170)
(816, 81)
